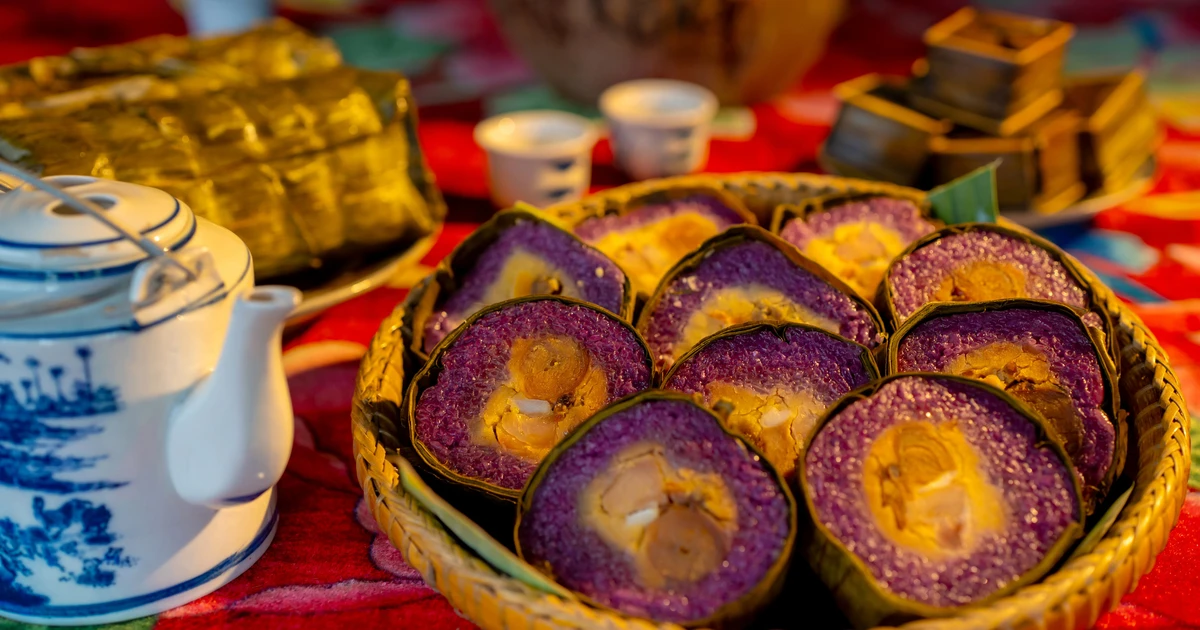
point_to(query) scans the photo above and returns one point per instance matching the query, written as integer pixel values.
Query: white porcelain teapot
(144, 413)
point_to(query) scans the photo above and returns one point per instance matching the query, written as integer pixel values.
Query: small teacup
(540, 157)
(214, 17)
(659, 127)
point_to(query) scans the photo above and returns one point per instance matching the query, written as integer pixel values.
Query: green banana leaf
(1101, 527)
(1194, 478)
(473, 535)
(143, 623)
(968, 199)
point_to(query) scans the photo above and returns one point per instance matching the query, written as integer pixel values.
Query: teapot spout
(230, 439)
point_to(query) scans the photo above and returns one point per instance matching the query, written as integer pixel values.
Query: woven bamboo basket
(1073, 597)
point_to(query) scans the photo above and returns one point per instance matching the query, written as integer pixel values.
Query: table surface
(330, 566)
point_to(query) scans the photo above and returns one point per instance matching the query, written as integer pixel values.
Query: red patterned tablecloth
(330, 567)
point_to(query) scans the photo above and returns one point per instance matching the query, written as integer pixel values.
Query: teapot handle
(157, 292)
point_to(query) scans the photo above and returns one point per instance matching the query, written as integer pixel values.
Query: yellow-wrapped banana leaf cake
(313, 164)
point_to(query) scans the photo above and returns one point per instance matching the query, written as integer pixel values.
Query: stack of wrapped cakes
(668, 409)
(313, 164)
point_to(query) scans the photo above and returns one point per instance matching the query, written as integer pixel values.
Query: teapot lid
(42, 238)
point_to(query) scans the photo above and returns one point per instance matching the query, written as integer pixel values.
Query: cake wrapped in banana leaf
(772, 382)
(747, 274)
(512, 381)
(1043, 355)
(309, 172)
(650, 233)
(162, 67)
(977, 262)
(931, 492)
(854, 236)
(516, 254)
(653, 509)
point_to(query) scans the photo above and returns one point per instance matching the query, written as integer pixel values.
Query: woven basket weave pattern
(1073, 597)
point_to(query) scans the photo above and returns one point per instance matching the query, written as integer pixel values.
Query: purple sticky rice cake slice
(980, 262)
(929, 493)
(856, 240)
(776, 380)
(653, 509)
(651, 233)
(1042, 356)
(749, 275)
(517, 254)
(514, 380)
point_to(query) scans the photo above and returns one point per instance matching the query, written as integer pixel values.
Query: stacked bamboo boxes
(992, 87)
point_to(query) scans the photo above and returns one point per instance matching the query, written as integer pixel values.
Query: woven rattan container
(1072, 597)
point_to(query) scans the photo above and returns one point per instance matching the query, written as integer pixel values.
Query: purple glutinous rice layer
(745, 264)
(597, 279)
(1041, 499)
(803, 360)
(551, 532)
(916, 277)
(899, 215)
(478, 361)
(932, 345)
(596, 228)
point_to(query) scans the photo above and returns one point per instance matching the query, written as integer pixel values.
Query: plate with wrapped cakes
(314, 165)
(769, 401)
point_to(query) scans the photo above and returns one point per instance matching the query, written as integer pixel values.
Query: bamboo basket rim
(1074, 596)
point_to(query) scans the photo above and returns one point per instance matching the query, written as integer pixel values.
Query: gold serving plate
(313, 164)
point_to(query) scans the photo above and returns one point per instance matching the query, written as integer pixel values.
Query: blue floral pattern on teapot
(36, 421)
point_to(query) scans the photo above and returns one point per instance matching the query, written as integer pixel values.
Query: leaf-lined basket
(1074, 596)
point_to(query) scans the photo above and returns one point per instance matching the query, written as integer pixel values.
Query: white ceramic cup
(216, 17)
(540, 157)
(659, 127)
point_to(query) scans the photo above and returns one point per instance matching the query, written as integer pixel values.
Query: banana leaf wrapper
(712, 550)
(472, 535)
(903, 432)
(772, 382)
(1045, 356)
(162, 67)
(854, 236)
(312, 173)
(514, 254)
(649, 233)
(501, 389)
(747, 274)
(980, 262)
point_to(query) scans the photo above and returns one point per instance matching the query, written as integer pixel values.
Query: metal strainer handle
(83, 205)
